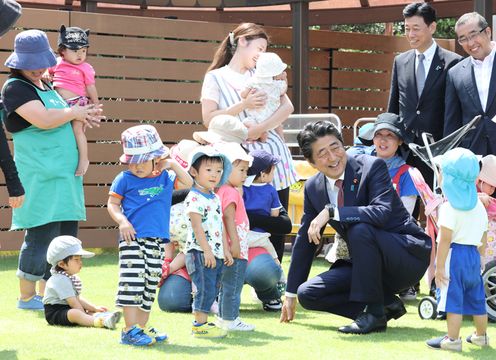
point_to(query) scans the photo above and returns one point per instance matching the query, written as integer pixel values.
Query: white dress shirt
(429, 55)
(482, 72)
(332, 193)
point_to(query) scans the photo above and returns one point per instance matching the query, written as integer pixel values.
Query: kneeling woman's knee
(175, 295)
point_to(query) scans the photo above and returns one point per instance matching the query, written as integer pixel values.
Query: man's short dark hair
(424, 10)
(312, 132)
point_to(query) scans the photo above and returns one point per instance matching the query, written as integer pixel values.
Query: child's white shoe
(111, 319)
(236, 325)
(482, 340)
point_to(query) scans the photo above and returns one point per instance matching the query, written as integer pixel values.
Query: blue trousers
(33, 265)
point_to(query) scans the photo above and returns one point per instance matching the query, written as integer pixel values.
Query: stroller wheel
(427, 308)
(489, 279)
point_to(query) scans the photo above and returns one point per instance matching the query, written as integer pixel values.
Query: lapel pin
(439, 67)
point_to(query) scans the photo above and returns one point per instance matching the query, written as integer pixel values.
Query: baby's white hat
(269, 65)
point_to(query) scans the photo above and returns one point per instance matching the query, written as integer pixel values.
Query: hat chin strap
(143, 150)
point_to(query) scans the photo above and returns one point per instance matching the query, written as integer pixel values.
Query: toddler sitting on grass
(63, 302)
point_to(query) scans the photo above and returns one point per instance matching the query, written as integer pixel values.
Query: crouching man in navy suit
(389, 251)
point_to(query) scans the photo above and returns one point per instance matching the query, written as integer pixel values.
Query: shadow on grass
(8, 354)
(245, 339)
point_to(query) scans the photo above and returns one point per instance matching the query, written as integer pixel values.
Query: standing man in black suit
(389, 251)
(418, 81)
(471, 86)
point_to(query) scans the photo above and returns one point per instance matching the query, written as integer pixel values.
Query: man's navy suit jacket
(369, 197)
(463, 104)
(424, 114)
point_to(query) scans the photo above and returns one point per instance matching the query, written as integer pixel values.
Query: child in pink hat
(139, 202)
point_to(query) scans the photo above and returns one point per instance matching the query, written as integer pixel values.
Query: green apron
(46, 161)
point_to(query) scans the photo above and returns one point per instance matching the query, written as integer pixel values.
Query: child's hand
(209, 259)
(228, 258)
(127, 231)
(485, 199)
(99, 308)
(46, 77)
(441, 278)
(165, 271)
(235, 250)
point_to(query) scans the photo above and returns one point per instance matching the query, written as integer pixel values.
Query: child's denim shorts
(206, 280)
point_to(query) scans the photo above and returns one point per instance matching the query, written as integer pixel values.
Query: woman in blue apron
(46, 157)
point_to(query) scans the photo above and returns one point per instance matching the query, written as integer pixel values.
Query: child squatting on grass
(139, 202)
(461, 240)
(63, 302)
(206, 245)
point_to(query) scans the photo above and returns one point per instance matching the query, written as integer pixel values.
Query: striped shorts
(140, 269)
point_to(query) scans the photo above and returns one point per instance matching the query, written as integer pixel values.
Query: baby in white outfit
(269, 77)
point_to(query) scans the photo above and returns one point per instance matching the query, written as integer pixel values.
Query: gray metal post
(485, 8)
(300, 56)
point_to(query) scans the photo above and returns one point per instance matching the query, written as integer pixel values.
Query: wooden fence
(150, 70)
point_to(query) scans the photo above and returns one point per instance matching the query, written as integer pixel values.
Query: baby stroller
(427, 307)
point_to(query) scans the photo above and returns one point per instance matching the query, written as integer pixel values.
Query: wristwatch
(330, 208)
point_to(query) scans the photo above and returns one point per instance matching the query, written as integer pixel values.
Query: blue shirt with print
(146, 202)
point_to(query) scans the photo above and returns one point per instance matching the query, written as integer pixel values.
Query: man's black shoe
(365, 323)
(394, 310)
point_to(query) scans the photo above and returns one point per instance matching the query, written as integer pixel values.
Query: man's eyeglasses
(465, 39)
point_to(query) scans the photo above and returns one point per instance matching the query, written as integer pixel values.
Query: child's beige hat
(225, 128)
(488, 171)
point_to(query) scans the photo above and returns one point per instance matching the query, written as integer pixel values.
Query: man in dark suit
(471, 86)
(389, 251)
(418, 81)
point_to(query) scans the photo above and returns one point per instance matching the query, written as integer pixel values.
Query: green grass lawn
(313, 335)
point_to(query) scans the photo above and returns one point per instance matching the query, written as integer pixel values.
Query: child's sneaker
(273, 305)
(136, 337)
(445, 343)
(482, 340)
(155, 334)
(238, 325)
(208, 330)
(34, 303)
(110, 319)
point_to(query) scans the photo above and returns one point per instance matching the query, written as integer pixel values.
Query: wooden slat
(96, 195)
(143, 26)
(348, 117)
(140, 89)
(361, 79)
(91, 238)
(42, 19)
(362, 60)
(359, 98)
(168, 132)
(95, 217)
(151, 48)
(133, 110)
(148, 69)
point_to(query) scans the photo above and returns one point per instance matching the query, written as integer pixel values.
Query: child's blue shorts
(465, 291)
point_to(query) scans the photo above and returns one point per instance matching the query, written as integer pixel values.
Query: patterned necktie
(420, 76)
(339, 185)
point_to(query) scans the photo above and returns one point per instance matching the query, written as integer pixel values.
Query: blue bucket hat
(31, 52)
(460, 168)
(211, 151)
